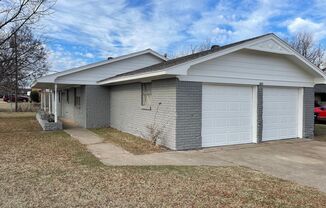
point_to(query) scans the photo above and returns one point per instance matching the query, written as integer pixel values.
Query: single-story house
(255, 90)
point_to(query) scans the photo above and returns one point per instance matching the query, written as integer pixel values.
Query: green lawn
(50, 169)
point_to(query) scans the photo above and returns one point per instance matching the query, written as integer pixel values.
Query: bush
(35, 96)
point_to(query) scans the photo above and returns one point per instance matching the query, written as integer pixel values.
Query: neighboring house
(254, 90)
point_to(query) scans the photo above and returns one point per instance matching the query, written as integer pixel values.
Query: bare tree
(194, 48)
(22, 59)
(304, 43)
(18, 13)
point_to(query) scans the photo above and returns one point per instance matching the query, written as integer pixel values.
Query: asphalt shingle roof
(183, 59)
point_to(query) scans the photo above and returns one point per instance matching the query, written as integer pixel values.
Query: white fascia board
(52, 77)
(320, 81)
(156, 54)
(132, 77)
(240, 81)
(76, 82)
(101, 63)
(120, 58)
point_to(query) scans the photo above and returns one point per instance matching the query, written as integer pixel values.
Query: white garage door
(226, 115)
(280, 113)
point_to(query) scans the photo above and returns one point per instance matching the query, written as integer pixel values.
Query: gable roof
(164, 68)
(52, 77)
(183, 59)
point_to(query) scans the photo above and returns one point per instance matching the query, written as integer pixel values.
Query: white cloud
(243, 20)
(112, 28)
(61, 59)
(318, 30)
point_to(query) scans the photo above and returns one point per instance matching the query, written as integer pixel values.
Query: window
(67, 96)
(146, 94)
(59, 96)
(76, 99)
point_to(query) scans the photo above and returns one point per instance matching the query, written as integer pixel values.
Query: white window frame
(146, 90)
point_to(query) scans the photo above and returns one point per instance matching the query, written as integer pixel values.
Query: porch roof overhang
(51, 85)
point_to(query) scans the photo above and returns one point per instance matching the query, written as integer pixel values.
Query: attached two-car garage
(229, 114)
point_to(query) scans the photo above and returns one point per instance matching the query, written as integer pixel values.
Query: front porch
(75, 105)
(49, 114)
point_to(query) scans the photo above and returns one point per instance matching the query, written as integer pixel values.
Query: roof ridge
(182, 59)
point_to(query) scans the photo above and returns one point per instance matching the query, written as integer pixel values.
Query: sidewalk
(109, 154)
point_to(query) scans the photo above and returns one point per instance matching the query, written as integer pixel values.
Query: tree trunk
(16, 73)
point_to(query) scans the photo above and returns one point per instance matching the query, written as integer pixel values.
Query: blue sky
(85, 31)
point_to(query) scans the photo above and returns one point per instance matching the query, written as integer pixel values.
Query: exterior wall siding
(93, 111)
(69, 110)
(126, 113)
(189, 115)
(308, 112)
(97, 101)
(90, 76)
(252, 67)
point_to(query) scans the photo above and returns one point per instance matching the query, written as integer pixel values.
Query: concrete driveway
(299, 160)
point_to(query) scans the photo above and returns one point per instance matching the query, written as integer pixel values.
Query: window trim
(148, 93)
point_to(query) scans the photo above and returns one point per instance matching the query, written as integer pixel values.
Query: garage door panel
(280, 113)
(226, 115)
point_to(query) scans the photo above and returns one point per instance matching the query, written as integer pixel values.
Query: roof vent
(214, 47)
(110, 57)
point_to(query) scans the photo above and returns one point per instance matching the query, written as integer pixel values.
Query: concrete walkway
(299, 160)
(110, 154)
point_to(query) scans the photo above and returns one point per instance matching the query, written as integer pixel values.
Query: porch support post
(50, 107)
(55, 103)
(52, 103)
(41, 99)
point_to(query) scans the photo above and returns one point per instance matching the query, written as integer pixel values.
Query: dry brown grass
(16, 114)
(320, 132)
(22, 124)
(128, 142)
(53, 170)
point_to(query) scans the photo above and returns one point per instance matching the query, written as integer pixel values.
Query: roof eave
(134, 77)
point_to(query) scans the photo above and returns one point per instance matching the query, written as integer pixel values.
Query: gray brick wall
(93, 111)
(97, 99)
(126, 113)
(308, 112)
(260, 93)
(189, 115)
